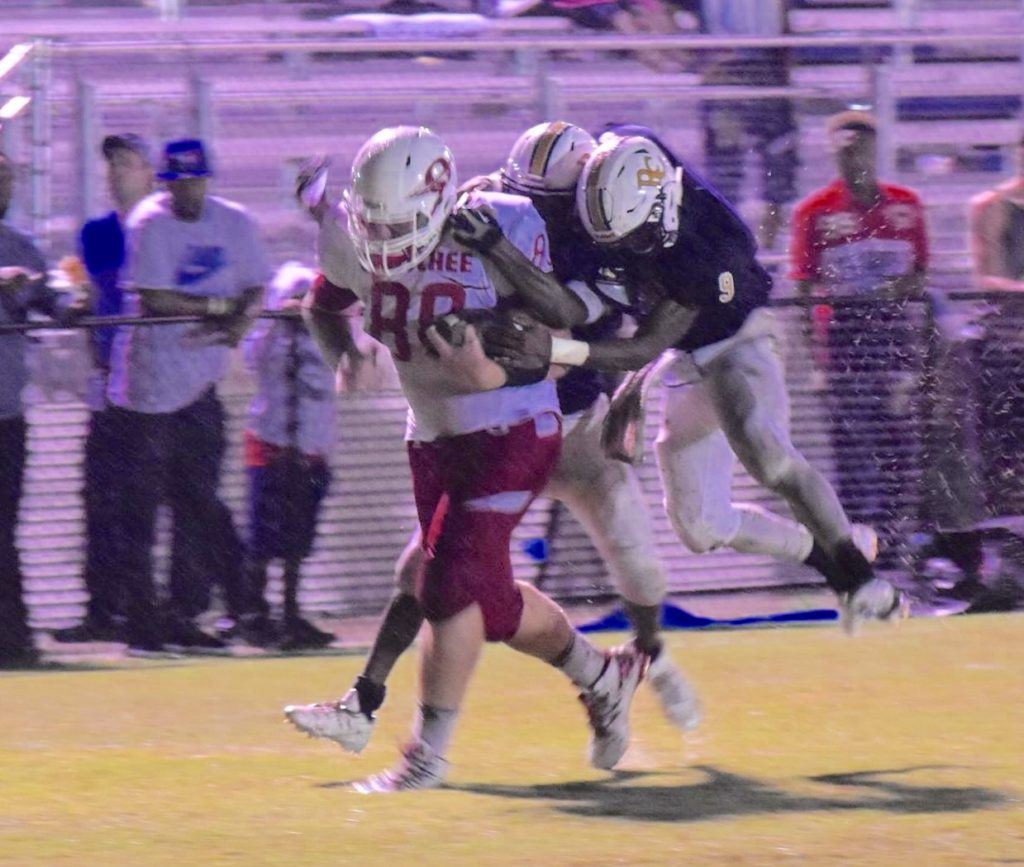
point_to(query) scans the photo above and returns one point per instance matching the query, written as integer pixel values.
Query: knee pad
(643, 582)
(769, 459)
(698, 531)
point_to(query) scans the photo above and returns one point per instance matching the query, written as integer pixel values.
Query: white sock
(582, 663)
(435, 727)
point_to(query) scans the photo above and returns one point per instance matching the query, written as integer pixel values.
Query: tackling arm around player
(477, 459)
(694, 256)
(603, 494)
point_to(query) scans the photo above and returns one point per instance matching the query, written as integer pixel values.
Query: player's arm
(987, 222)
(537, 291)
(666, 325)
(325, 310)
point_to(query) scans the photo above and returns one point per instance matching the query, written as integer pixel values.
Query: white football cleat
(678, 700)
(865, 540)
(341, 721)
(876, 600)
(608, 702)
(419, 768)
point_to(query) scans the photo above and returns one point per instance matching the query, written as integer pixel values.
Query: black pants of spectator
(953, 489)
(1000, 366)
(195, 568)
(15, 637)
(177, 457)
(733, 128)
(875, 357)
(104, 465)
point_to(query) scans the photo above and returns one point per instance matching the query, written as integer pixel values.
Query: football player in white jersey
(603, 494)
(478, 458)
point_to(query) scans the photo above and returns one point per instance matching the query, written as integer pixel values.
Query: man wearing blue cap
(188, 253)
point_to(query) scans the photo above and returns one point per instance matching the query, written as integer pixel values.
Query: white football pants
(729, 400)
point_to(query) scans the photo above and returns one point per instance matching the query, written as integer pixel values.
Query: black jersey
(712, 266)
(574, 256)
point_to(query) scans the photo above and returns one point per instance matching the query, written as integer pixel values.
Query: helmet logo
(436, 179)
(649, 175)
(437, 176)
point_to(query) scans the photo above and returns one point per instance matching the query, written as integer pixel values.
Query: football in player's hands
(452, 326)
(502, 334)
(497, 330)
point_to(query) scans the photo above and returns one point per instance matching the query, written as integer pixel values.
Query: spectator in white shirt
(189, 253)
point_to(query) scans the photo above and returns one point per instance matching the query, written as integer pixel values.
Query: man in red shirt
(863, 238)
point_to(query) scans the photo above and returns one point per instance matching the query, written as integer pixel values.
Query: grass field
(904, 746)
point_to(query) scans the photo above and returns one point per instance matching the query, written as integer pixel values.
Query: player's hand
(475, 228)
(480, 183)
(311, 187)
(467, 366)
(526, 344)
(622, 433)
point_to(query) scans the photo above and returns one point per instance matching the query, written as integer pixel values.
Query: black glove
(476, 229)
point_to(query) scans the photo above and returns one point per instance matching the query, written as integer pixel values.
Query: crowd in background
(156, 432)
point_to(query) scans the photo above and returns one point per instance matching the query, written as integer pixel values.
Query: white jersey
(399, 310)
(159, 368)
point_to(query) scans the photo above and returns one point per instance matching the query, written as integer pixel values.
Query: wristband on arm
(573, 353)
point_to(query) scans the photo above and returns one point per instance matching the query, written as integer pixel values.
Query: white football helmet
(403, 189)
(628, 183)
(547, 159)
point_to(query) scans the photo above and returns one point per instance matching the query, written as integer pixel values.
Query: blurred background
(739, 89)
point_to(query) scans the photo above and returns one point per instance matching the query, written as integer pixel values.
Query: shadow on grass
(123, 662)
(64, 667)
(723, 794)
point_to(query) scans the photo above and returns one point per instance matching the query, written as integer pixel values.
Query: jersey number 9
(726, 287)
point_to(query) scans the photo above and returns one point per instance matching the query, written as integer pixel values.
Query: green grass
(904, 746)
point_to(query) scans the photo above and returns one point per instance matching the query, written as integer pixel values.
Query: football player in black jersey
(692, 280)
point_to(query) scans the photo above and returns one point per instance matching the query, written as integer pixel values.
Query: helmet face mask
(402, 192)
(628, 195)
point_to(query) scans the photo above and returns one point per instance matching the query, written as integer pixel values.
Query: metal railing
(913, 428)
(549, 92)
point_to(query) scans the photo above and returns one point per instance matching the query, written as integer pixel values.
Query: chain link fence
(874, 413)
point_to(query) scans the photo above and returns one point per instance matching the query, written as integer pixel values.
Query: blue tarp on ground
(674, 617)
